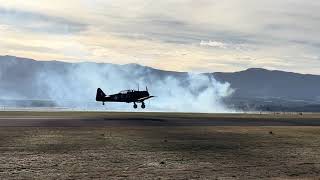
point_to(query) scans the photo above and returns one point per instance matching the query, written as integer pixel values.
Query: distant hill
(254, 89)
(262, 83)
(21, 76)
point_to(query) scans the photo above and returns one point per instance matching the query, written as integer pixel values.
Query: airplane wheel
(135, 106)
(143, 106)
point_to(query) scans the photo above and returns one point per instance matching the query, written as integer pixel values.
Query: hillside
(253, 89)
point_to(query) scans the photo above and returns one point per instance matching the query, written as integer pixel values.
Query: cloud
(37, 22)
(204, 35)
(214, 44)
(223, 45)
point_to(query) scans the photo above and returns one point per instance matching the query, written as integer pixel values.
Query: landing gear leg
(102, 103)
(143, 105)
(135, 105)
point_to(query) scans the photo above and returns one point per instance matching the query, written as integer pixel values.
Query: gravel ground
(134, 151)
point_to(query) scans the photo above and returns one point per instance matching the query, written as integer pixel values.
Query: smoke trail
(76, 86)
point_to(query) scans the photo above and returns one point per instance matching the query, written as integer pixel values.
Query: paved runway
(74, 119)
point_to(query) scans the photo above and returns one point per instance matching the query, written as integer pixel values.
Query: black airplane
(127, 96)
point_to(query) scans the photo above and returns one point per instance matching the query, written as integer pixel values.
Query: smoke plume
(75, 87)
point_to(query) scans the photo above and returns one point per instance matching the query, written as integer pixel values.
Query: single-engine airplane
(127, 96)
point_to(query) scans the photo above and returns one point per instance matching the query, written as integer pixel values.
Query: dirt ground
(153, 151)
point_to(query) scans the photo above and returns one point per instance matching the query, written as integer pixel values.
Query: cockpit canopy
(126, 91)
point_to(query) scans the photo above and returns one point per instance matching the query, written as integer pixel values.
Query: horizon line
(88, 61)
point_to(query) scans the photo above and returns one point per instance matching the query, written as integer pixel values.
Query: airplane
(127, 96)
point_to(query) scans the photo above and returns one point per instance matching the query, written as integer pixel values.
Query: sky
(177, 35)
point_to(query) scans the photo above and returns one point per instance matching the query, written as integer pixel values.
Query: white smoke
(76, 88)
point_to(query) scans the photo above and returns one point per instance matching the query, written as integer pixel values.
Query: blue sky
(180, 35)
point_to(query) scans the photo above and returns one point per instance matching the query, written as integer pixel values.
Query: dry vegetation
(158, 152)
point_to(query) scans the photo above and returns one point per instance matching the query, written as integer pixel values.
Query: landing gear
(103, 103)
(142, 105)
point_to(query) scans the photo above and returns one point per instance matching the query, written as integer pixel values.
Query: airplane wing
(145, 98)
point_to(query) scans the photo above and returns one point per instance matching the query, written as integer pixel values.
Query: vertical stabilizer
(100, 95)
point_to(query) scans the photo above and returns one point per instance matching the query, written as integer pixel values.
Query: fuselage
(127, 96)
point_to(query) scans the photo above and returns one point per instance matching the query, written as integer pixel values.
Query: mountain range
(253, 89)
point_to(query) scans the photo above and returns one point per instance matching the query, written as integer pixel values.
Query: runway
(98, 119)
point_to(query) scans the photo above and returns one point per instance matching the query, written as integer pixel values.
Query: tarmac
(98, 119)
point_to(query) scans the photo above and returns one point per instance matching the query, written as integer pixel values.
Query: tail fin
(100, 95)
